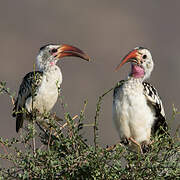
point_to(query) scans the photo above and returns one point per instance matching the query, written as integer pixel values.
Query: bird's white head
(141, 62)
(51, 53)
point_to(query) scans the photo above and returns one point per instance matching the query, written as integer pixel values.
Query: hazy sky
(106, 30)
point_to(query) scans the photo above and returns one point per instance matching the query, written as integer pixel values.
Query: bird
(138, 112)
(39, 89)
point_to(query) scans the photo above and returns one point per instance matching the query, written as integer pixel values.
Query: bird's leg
(136, 143)
(151, 142)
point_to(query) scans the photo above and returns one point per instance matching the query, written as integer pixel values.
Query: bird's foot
(136, 143)
(124, 141)
(151, 142)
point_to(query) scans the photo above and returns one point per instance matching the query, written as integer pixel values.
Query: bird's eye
(53, 50)
(144, 56)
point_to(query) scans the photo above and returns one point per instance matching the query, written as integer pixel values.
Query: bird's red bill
(126, 59)
(67, 50)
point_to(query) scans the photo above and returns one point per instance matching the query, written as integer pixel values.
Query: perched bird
(39, 89)
(137, 108)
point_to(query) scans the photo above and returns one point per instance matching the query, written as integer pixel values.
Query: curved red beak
(68, 50)
(130, 57)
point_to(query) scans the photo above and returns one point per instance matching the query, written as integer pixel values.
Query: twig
(2, 145)
(88, 125)
(98, 107)
(62, 104)
(65, 124)
(33, 139)
(12, 100)
(7, 91)
(56, 118)
(34, 145)
(84, 108)
(49, 137)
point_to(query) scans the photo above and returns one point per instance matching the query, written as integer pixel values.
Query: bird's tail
(19, 121)
(19, 117)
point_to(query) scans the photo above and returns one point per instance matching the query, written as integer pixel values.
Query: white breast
(132, 116)
(47, 93)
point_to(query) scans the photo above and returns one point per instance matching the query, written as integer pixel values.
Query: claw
(136, 143)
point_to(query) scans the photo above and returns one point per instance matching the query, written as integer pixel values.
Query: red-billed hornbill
(137, 109)
(39, 89)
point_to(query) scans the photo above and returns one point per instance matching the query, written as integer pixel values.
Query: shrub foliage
(59, 151)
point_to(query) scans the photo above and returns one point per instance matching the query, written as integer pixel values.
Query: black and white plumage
(137, 108)
(39, 89)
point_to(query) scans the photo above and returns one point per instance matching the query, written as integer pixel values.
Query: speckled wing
(27, 88)
(115, 109)
(154, 101)
(117, 88)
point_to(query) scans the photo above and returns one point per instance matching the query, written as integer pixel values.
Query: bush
(59, 151)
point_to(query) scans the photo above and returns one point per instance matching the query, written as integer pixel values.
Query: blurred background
(107, 31)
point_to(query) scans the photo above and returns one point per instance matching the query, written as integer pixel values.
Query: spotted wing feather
(154, 101)
(27, 88)
(117, 88)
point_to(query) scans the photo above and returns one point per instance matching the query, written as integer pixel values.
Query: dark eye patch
(144, 56)
(54, 50)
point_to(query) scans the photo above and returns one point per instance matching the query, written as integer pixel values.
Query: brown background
(107, 30)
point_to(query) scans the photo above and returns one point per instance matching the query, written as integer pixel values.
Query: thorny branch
(5, 90)
(98, 108)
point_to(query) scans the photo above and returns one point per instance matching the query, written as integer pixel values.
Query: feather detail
(154, 101)
(126, 121)
(28, 88)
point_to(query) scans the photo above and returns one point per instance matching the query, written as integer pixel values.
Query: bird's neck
(132, 79)
(53, 74)
(137, 72)
(51, 68)
(45, 65)
(47, 68)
